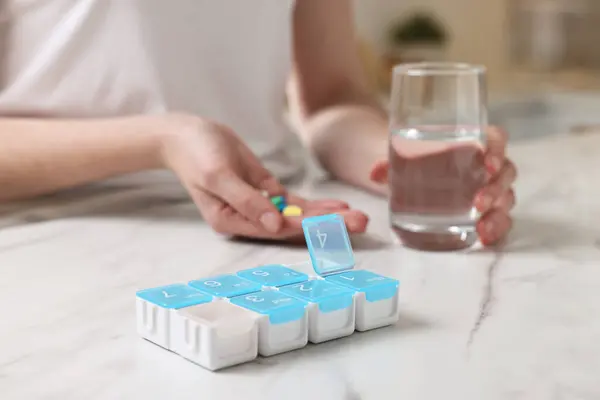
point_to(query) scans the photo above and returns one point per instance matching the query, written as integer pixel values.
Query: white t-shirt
(227, 60)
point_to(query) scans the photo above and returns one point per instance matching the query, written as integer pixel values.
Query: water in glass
(435, 174)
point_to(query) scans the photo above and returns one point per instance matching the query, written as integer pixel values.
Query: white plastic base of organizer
(280, 338)
(375, 314)
(214, 335)
(324, 326)
(153, 322)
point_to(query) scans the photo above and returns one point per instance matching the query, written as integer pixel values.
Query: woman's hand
(496, 199)
(226, 180)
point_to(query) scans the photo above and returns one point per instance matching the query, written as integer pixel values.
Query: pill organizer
(225, 320)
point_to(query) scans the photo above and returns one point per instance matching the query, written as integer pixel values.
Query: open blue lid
(328, 244)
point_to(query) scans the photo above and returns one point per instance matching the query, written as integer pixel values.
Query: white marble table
(521, 322)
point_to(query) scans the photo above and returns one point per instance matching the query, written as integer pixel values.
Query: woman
(94, 89)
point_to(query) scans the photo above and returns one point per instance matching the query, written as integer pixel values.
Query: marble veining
(519, 321)
(487, 297)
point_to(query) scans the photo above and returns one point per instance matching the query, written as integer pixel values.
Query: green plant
(420, 28)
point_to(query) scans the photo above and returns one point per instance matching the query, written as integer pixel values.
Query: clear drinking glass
(437, 136)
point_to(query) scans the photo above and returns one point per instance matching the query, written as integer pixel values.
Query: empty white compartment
(154, 307)
(331, 308)
(376, 297)
(282, 320)
(215, 335)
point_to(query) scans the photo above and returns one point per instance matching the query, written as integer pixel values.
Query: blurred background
(513, 38)
(542, 56)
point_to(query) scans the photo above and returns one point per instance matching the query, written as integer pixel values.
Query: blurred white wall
(477, 27)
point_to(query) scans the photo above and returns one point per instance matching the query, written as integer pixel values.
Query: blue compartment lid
(174, 296)
(228, 285)
(273, 275)
(279, 307)
(328, 296)
(328, 244)
(375, 287)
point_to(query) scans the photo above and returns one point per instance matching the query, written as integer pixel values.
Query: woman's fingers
(493, 226)
(256, 173)
(356, 221)
(497, 187)
(226, 220)
(497, 199)
(325, 204)
(506, 202)
(232, 204)
(262, 180)
(496, 223)
(496, 148)
(248, 201)
(380, 171)
(223, 218)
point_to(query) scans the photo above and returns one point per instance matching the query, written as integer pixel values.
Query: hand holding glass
(436, 152)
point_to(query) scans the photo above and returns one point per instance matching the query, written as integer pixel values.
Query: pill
(264, 193)
(292, 211)
(279, 202)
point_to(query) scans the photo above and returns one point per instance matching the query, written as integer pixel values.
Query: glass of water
(438, 118)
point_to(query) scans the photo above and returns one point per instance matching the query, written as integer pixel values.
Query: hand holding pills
(288, 210)
(225, 180)
(294, 208)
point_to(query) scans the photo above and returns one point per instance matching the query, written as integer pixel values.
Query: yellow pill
(292, 211)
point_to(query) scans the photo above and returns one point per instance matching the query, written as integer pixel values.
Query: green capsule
(279, 202)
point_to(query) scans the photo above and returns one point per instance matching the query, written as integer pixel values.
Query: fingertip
(485, 233)
(379, 172)
(272, 221)
(496, 132)
(483, 202)
(330, 204)
(493, 162)
(356, 222)
(493, 227)
(496, 144)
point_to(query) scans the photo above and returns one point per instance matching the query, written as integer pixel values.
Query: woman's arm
(41, 156)
(340, 118)
(347, 130)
